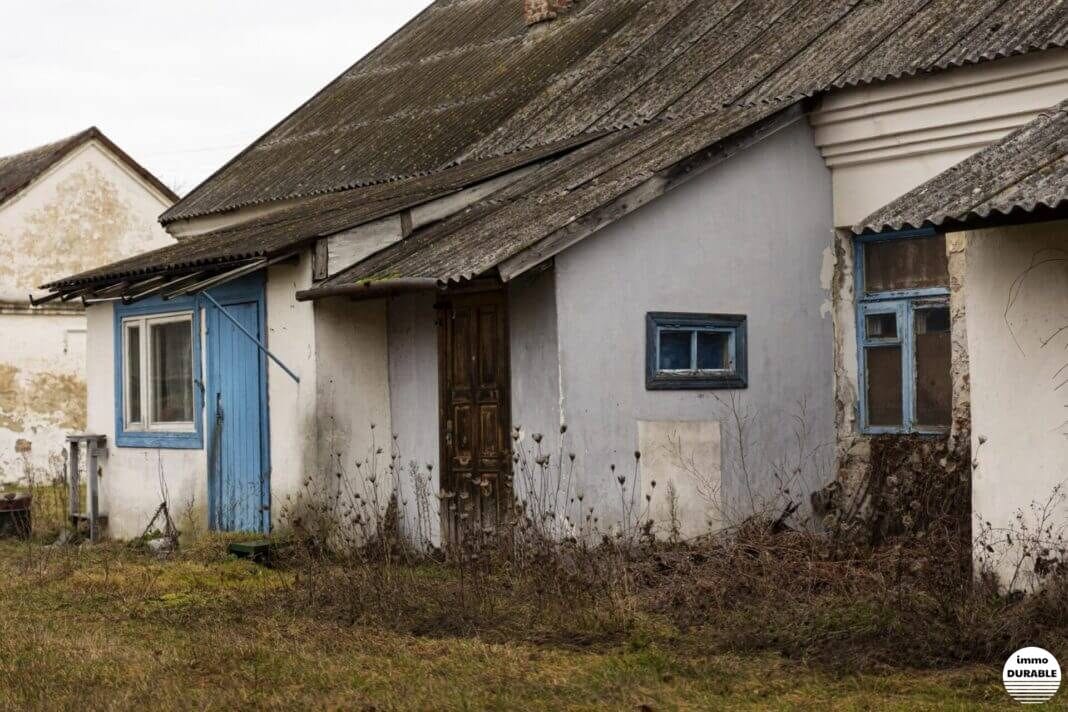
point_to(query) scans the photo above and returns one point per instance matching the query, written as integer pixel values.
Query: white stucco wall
(748, 237)
(1016, 293)
(414, 398)
(89, 209)
(291, 405)
(352, 410)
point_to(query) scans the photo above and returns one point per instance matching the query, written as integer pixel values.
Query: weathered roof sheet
(19, 170)
(321, 215)
(1026, 171)
(465, 80)
(556, 196)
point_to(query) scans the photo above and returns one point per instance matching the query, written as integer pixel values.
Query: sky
(180, 86)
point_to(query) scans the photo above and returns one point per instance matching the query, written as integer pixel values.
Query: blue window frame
(695, 351)
(903, 332)
(158, 383)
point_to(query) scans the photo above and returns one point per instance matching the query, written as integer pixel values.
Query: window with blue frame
(695, 351)
(903, 327)
(157, 349)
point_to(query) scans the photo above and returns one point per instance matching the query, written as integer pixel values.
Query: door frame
(242, 291)
(443, 306)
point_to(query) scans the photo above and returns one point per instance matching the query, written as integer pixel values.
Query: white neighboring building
(68, 205)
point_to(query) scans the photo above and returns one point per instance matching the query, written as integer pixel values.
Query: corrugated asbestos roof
(551, 198)
(1026, 171)
(321, 215)
(466, 85)
(19, 170)
(466, 79)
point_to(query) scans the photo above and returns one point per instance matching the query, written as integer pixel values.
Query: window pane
(884, 386)
(675, 350)
(881, 326)
(934, 389)
(917, 263)
(171, 350)
(713, 350)
(133, 374)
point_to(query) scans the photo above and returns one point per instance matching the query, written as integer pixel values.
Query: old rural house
(632, 218)
(67, 206)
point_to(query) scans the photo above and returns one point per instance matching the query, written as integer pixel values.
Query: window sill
(666, 382)
(930, 432)
(160, 441)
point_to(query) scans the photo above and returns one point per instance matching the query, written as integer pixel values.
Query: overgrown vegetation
(544, 605)
(886, 580)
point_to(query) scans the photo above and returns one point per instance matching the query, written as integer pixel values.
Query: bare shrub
(888, 581)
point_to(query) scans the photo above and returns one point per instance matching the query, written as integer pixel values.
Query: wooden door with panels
(474, 411)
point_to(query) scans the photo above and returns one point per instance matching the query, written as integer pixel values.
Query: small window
(904, 333)
(695, 351)
(158, 373)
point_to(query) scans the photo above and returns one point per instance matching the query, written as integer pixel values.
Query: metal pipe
(156, 288)
(45, 299)
(214, 280)
(246, 332)
(371, 290)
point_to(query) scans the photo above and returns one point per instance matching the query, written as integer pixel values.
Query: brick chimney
(535, 11)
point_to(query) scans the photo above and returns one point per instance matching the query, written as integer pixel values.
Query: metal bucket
(15, 517)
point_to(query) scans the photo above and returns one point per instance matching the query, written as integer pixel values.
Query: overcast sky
(180, 86)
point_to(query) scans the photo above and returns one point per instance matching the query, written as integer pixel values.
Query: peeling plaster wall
(1016, 292)
(748, 237)
(854, 448)
(42, 392)
(87, 210)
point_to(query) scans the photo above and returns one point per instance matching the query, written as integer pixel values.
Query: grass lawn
(107, 628)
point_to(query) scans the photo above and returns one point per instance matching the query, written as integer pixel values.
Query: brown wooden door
(475, 422)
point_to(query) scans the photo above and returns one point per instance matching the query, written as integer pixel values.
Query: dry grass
(107, 628)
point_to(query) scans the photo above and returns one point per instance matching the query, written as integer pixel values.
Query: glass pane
(881, 326)
(133, 374)
(171, 350)
(917, 263)
(713, 350)
(884, 386)
(675, 350)
(934, 388)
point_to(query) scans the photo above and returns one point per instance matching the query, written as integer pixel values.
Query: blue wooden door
(237, 422)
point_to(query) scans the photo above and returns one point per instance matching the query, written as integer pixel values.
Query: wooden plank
(74, 493)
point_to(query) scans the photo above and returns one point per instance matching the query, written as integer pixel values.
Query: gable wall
(87, 210)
